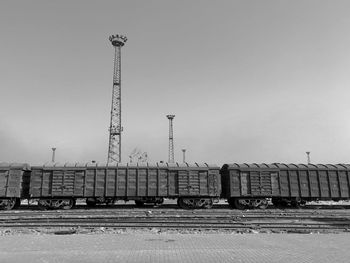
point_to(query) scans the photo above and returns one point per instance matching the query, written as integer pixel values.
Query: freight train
(193, 186)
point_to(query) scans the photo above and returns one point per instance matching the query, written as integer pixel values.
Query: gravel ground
(107, 231)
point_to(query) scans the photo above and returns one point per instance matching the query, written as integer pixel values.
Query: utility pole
(184, 155)
(308, 157)
(115, 128)
(171, 138)
(53, 154)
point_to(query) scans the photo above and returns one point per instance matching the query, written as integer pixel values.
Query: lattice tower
(115, 128)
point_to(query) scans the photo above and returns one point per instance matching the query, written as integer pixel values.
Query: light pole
(184, 155)
(308, 157)
(115, 126)
(53, 154)
(171, 138)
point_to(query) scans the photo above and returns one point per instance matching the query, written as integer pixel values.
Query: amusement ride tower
(115, 128)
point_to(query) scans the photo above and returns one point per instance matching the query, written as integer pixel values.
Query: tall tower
(171, 139)
(115, 128)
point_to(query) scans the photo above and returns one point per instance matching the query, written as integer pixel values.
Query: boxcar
(14, 184)
(58, 186)
(249, 185)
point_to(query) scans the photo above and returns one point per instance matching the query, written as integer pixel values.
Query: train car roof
(23, 166)
(291, 166)
(176, 166)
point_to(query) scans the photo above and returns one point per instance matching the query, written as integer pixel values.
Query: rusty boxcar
(58, 186)
(249, 185)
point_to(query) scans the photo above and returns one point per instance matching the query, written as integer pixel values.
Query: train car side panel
(324, 184)
(172, 183)
(204, 183)
(142, 187)
(162, 182)
(293, 183)
(110, 182)
(284, 183)
(89, 183)
(304, 184)
(131, 182)
(14, 180)
(344, 185)
(214, 183)
(57, 182)
(35, 184)
(100, 182)
(245, 180)
(348, 172)
(121, 182)
(152, 182)
(79, 183)
(334, 184)
(235, 183)
(314, 184)
(275, 189)
(4, 175)
(52, 182)
(265, 183)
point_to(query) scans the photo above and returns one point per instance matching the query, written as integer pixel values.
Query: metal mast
(115, 128)
(171, 139)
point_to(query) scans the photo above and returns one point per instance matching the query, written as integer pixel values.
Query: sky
(249, 81)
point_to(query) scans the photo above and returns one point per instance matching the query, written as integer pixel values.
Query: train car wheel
(160, 201)
(68, 203)
(263, 204)
(240, 204)
(8, 204)
(56, 203)
(208, 203)
(43, 204)
(185, 203)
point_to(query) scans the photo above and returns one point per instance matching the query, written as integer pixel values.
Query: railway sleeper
(248, 203)
(194, 203)
(56, 203)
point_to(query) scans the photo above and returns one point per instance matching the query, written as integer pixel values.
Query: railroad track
(177, 219)
(341, 225)
(270, 213)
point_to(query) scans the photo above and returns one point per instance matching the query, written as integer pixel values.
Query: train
(193, 186)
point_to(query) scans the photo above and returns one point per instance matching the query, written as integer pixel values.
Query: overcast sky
(248, 81)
